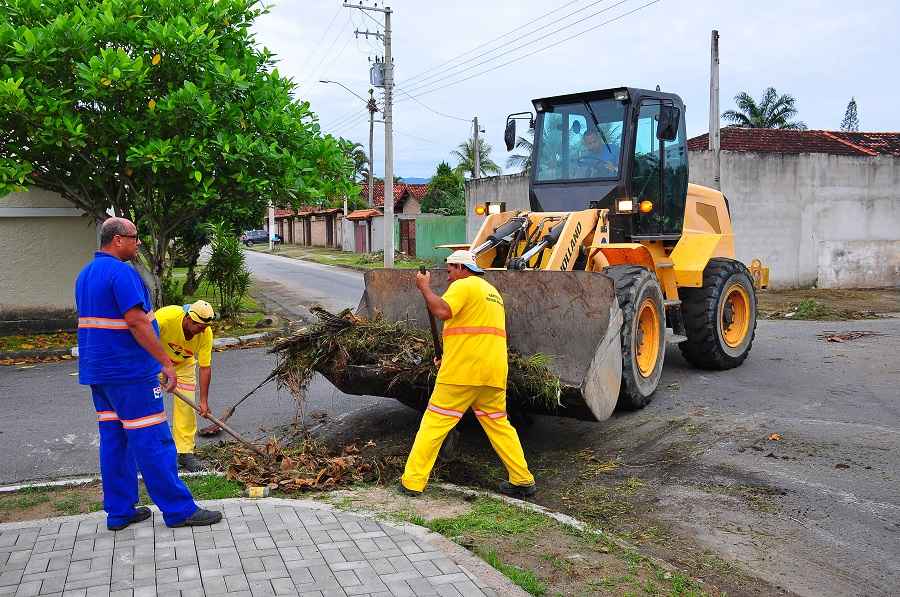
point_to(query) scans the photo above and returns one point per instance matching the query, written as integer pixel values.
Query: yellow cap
(202, 312)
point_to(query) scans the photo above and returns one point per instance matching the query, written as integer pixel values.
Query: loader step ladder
(672, 303)
(673, 338)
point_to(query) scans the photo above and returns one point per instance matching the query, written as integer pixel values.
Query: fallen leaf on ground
(775, 437)
(840, 337)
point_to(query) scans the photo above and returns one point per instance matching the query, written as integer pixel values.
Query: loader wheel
(643, 333)
(720, 318)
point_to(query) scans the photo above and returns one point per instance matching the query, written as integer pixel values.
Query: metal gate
(408, 237)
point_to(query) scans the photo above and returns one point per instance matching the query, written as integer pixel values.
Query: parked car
(251, 237)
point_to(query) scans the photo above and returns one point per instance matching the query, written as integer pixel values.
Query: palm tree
(772, 112)
(360, 158)
(465, 154)
(524, 147)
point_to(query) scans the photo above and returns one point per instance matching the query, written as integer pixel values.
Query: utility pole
(476, 150)
(714, 109)
(388, 128)
(373, 107)
(271, 226)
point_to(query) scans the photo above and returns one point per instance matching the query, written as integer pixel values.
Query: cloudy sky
(822, 52)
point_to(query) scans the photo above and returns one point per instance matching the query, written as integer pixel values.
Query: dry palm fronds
(306, 465)
(345, 345)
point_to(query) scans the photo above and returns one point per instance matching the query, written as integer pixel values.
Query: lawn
(245, 323)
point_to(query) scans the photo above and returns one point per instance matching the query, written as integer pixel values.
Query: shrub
(226, 270)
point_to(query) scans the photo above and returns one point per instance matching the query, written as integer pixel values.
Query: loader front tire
(720, 317)
(643, 333)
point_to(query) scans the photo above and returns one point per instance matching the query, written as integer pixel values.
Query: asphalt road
(48, 428)
(292, 285)
(833, 472)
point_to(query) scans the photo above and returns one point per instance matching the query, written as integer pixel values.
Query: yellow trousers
(447, 405)
(184, 418)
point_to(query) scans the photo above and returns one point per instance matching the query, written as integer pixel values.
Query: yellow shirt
(179, 349)
(474, 336)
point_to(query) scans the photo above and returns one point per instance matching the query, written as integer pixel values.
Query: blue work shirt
(107, 352)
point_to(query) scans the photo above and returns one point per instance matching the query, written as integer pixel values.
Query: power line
(324, 57)
(319, 43)
(444, 73)
(337, 56)
(429, 108)
(423, 85)
(507, 34)
(541, 49)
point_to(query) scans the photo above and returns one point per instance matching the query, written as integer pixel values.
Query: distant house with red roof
(796, 142)
(407, 197)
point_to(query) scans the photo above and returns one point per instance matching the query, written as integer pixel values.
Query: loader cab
(620, 149)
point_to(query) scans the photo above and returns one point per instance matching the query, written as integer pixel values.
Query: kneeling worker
(472, 374)
(187, 338)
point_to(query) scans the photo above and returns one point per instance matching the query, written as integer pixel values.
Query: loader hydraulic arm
(503, 234)
(550, 239)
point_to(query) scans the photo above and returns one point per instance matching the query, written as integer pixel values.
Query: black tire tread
(699, 309)
(628, 279)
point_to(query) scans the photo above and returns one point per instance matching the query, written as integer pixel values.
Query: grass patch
(524, 578)
(489, 517)
(245, 323)
(213, 487)
(25, 498)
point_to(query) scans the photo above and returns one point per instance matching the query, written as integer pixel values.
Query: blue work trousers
(134, 436)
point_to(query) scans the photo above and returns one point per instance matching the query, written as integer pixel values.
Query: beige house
(308, 226)
(44, 243)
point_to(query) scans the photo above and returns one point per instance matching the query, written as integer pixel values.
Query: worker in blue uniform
(121, 357)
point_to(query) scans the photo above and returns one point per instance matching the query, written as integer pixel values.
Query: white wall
(511, 188)
(348, 239)
(44, 243)
(814, 219)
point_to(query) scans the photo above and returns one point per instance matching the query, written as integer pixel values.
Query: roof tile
(810, 141)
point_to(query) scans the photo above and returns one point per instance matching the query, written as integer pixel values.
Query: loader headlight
(646, 206)
(495, 208)
(620, 96)
(625, 205)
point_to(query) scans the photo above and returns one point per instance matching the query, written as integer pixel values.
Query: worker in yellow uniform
(187, 338)
(472, 374)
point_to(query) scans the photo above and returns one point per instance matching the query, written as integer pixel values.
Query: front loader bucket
(573, 317)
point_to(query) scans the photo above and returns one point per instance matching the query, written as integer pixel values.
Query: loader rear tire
(720, 317)
(643, 333)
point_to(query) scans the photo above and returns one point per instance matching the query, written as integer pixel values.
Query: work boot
(407, 491)
(517, 491)
(140, 514)
(189, 463)
(200, 518)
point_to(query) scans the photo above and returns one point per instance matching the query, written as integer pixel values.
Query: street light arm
(364, 100)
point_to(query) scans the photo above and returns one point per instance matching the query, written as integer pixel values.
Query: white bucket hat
(466, 258)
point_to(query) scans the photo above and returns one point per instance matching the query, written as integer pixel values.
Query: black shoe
(200, 518)
(406, 491)
(140, 514)
(189, 463)
(517, 491)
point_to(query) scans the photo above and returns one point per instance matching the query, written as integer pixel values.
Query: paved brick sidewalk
(263, 547)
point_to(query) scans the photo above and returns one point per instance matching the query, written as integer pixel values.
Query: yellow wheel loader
(617, 256)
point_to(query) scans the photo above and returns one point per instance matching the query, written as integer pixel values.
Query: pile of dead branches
(303, 466)
(343, 345)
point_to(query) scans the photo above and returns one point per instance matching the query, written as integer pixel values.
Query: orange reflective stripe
(474, 330)
(445, 411)
(497, 415)
(102, 323)
(107, 415)
(144, 421)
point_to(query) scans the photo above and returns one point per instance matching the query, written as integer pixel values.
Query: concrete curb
(25, 354)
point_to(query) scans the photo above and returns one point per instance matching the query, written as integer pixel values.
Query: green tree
(465, 156)
(850, 123)
(524, 147)
(360, 159)
(773, 111)
(164, 112)
(446, 193)
(226, 270)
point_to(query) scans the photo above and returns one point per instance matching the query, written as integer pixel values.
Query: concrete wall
(44, 243)
(814, 219)
(348, 232)
(412, 206)
(511, 189)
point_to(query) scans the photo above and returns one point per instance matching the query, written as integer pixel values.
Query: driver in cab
(597, 159)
